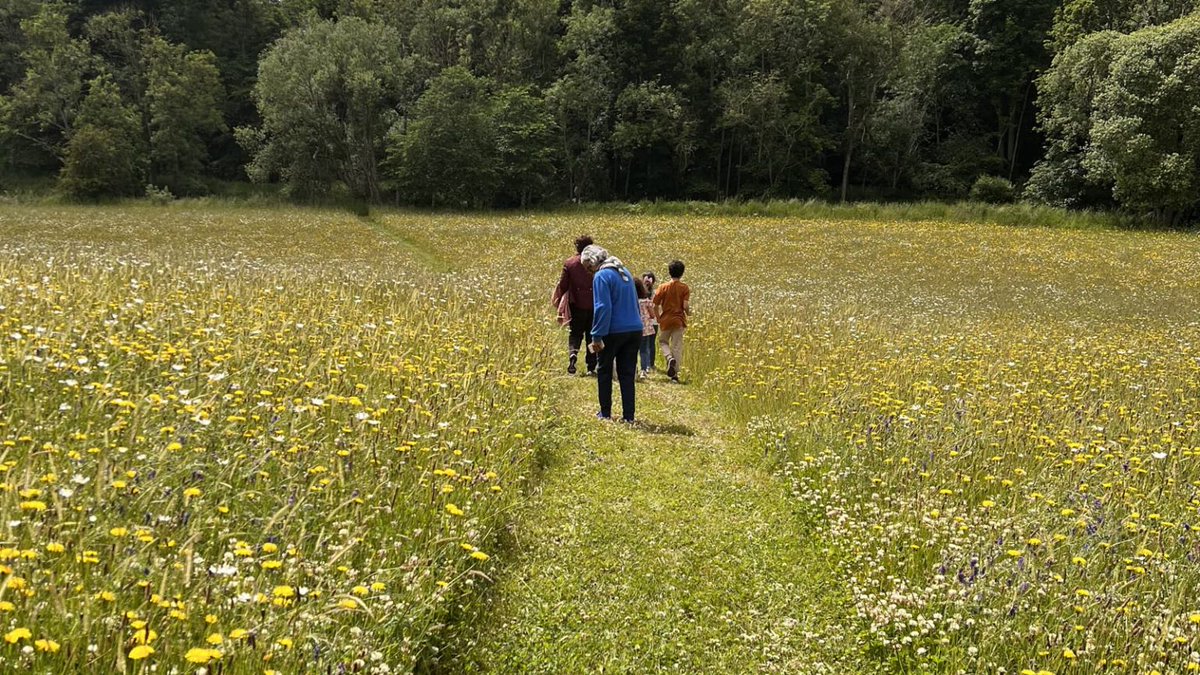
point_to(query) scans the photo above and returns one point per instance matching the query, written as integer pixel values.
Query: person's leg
(668, 339)
(586, 316)
(676, 353)
(653, 341)
(627, 354)
(664, 341)
(644, 348)
(575, 338)
(604, 373)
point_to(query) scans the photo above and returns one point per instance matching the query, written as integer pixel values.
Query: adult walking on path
(616, 328)
(575, 284)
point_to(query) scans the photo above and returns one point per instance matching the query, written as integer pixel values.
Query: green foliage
(525, 145)
(447, 154)
(183, 98)
(993, 190)
(639, 99)
(12, 40)
(104, 156)
(1068, 92)
(328, 93)
(651, 125)
(1119, 112)
(1145, 132)
(1075, 19)
(38, 116)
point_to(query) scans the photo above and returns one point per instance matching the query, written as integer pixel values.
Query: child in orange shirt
(672, 300)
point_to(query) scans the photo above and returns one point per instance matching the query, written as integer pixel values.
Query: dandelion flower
(46, 645)
(140, 652)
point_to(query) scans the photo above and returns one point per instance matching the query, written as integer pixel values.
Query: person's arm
(687, 301)
(564, 284)
(601, 307)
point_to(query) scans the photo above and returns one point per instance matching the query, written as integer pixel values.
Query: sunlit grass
(261, 463)
(996, 427)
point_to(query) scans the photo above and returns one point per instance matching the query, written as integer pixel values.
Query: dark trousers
(621, 348)
(581, 330)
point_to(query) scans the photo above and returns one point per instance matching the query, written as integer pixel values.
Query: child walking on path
(672, 300)
(649, 326)
(649, 344)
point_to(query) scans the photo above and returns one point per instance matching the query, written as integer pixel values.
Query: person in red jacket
(576, 284)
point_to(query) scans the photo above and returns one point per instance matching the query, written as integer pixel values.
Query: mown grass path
(664, 547)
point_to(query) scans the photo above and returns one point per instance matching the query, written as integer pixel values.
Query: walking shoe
(672, 370)
(602, 416)
(571, 365)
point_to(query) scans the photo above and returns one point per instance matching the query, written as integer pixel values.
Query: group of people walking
(619, 317)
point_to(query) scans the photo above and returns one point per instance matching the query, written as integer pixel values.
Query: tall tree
(1145, 133)
(526, 145)
(1009, 51)
(446, 153)
(652, 127)
(328, 93)
(862, 57)
(183, 99)
(105, 155)
(38, 116)
(583, 97)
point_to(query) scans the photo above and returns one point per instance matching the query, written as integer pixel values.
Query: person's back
(673, 302)
(615, 303)
(575, 284)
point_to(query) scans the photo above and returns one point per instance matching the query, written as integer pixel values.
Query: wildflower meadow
(250, 440)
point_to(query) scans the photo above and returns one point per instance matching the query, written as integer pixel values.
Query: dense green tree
(1145, 135)
(183, 99)
(1074, 19)
(772, 102)
(1008, 52)
(906, 124)
(863, 55)
(328, 93)
(582, 100)
(1068, 92)
(12, 40)
(105, 155)
(652, 130)
(526, 145)
(446, 154)
(37, 116)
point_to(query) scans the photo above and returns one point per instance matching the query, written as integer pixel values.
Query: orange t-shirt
(672, 297)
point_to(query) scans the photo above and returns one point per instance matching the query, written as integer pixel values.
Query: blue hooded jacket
(615, 303)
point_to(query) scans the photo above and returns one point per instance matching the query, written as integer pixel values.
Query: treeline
(1079, 103)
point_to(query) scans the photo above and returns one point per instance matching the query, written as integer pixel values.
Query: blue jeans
(648, 350)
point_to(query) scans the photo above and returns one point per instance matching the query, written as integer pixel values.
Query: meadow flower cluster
(997, 429)
(262, 464)
(284, 440)
(1009, 485)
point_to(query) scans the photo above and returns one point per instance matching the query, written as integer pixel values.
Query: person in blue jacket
(616, 328)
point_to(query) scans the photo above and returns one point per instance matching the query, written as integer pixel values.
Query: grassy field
(282, 439)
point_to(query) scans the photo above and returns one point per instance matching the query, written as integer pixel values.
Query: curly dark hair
(583, 242)
(675, 269)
